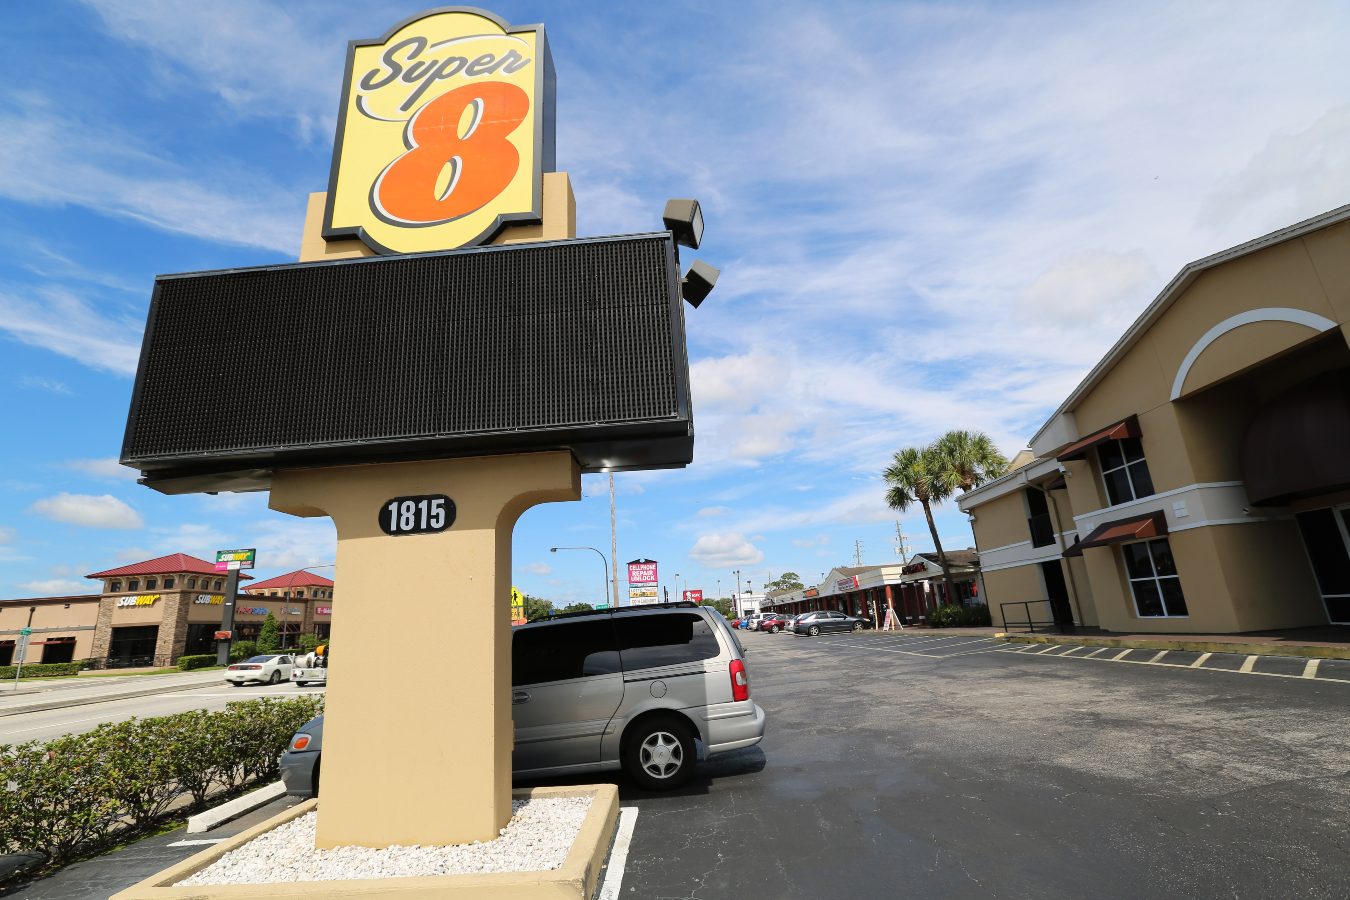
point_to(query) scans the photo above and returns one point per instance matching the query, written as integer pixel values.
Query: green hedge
(960, 616)
(196, 661)
(81, 792)
(42, 670)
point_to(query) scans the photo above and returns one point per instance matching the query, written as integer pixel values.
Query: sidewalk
(1329, 642)
(39, 696)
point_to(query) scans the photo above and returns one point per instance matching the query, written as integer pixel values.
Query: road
(53, 723)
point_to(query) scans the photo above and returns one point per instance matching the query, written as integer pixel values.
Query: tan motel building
(1198, 479)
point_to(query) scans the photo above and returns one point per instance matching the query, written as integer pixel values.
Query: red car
(773, 624)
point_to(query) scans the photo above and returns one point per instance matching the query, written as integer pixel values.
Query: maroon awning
(1125, 428)
(1136, 528)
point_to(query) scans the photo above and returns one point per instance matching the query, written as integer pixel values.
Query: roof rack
(671, 604)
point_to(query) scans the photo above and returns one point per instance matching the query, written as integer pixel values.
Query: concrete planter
(576, 878)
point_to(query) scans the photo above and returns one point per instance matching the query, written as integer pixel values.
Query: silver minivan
(649, 689)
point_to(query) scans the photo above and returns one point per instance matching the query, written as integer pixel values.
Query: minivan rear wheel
(658, 753)
(814, 630)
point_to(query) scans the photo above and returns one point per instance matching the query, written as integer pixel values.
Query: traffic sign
(25, 631)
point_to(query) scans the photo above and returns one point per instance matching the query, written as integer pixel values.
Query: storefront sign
(811, 592)
(642, 571)
(234, 559)
(846, 584)
(209, 599)
(138, 600)
(323, 610)
(423, 514)
(694, 596)
(445, 129)
(912, 568)
(224, 635)
(252, 610)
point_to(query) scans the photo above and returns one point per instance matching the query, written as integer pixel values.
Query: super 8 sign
(445, 129)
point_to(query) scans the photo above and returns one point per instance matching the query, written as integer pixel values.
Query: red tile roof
(164, 565)
(298, 578)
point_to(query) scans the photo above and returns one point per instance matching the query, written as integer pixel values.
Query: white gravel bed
(538, 838)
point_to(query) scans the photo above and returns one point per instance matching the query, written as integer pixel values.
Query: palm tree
(917, 475)
(969, 459)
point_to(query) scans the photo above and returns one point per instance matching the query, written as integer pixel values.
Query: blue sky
(927, 216)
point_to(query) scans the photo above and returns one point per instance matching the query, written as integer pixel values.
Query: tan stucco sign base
(576, 878)
(417, 741)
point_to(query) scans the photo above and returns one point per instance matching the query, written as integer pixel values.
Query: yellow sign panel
(517, 607)
(445, 129)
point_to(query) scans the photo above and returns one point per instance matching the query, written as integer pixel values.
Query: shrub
(42, 670)
(269, 639)
(960, 616)
(242, 650)
(78, 793)
(196, 661)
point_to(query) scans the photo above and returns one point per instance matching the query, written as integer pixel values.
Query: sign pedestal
(417, 725)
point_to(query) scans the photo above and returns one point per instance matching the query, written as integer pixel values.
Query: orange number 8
(482, 162)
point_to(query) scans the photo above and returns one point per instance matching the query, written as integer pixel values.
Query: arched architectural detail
(1267, 314)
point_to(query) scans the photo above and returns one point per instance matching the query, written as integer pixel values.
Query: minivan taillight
(740, 680)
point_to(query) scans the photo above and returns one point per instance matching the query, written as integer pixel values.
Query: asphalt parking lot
(952, 766)
(958, 766)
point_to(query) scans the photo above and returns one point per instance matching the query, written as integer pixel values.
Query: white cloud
(720, 551)
(57, 587)
(819, 540)
(536, 568)
(57, 320)
(104, 468)
(41, 383)
(91, 511)
(6, 535)
(710, 511)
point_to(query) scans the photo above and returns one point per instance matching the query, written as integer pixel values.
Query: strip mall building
(1198, 480)
(152, 612)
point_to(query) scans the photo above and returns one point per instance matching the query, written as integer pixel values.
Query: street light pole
(604, 563)
(736, 593)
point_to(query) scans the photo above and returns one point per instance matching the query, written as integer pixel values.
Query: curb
(205, 821)
(101, 698)
(1310, 651)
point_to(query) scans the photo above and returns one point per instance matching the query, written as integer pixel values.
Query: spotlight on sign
(684, 219)
(698, 282)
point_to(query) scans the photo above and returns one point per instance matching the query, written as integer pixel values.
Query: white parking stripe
(1094, 653)
(1201, 661)
(1122, 654)
(618, 857)
(1047, 649)
(1157, 657)
(1310, 670)
(1248, 664)
(201, 842)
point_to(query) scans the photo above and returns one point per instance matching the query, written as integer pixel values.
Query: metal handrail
(1030, 623)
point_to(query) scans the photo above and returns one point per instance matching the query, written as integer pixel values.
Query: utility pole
(857, 553)
(613, 547)
(901, 548)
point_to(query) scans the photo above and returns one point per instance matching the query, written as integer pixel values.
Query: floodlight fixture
(698, 282)
(684, 219)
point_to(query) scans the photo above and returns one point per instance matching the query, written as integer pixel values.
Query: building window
(168, 582)
(1124, 470)
(151, 583)
(133, 584)
(192, 582)
(271, 593)
(1038, 519)
(115, 586)
(300, 593)
(219, 583)
(1153, 579)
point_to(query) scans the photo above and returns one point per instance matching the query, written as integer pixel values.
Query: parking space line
(1310, 670)
(1122, 654)
(1071, 651)
(618, 857)
(1157, 657)
(1248, 664)
(1046, 649)
(1201, 661)
(1094, 653)
(200, 842)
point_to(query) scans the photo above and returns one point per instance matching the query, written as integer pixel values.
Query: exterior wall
(1080, 592)
(1016, 584)
(1001, 522)
(74, 614)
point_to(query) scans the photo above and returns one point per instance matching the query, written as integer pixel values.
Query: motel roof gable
(1048, 437)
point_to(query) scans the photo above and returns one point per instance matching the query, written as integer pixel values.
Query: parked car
(826, 620)
(267, 668)
(774, 624)
(585, 697)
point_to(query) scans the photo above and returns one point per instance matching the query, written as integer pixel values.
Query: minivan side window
(664, 640)
(564, 651)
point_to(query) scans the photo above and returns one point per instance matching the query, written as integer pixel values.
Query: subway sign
(444, 133)
(138, 600)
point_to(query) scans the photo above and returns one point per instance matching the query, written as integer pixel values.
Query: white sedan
(269, 668)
